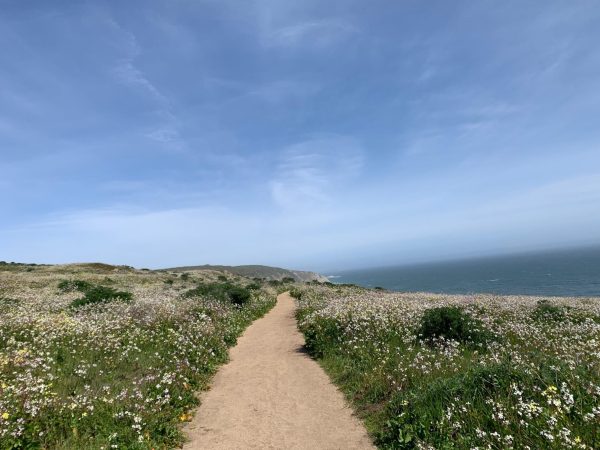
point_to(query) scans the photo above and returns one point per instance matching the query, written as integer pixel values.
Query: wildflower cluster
(533, 382)
(109, 374)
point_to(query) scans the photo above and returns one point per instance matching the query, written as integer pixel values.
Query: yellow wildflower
(5, 416)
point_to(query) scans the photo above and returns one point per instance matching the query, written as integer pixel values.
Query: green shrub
(253, 287)
(6, 302)
(101, 294)
(221, 291)
(288, 280)
(222, 278)
(545, 311)
(452, 323)
(296, 293)
(238, 295)
(320, 335)
(74, 285)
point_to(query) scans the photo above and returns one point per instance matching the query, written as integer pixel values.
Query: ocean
(566, 273)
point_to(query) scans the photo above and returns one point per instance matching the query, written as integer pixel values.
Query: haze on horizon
(315, 135)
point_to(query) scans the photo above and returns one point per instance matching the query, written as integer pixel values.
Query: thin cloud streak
(319, 33)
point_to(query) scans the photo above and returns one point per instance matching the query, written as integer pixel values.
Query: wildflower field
(100, 357)
(465, 372)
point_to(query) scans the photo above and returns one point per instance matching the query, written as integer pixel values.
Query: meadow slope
(98, 357)
(461, 372)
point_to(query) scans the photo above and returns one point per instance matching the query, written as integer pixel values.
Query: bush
(238, 295)
(74, 285)
(253, 287)
(221, 291)
(6, 302)
(296, 293)
(321, 335)
(222, 278)
(452, 323)
(101, 294)
(545, 311)
(288, 280)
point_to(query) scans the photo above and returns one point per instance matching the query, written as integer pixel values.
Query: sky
(306, 134)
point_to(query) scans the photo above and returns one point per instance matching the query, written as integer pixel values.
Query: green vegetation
(296, 293)
(257, 272)
(453, 372)
(93, 293)
(101, 294)
(121, 372)
(222, 292)
(453, 324)
(239, 296)
(545, 311)
(74, 285)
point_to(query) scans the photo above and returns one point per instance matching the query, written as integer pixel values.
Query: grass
(121, 370)
(455, 372)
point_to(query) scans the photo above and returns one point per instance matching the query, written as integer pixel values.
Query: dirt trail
(271, 395)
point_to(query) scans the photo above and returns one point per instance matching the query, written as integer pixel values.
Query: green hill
(257, 271)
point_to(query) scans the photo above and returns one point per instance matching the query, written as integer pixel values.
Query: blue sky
(307, 134)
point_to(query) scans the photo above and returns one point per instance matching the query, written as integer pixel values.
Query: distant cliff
(257, 271)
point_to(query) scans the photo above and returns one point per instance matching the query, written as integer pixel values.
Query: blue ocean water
(574, 272)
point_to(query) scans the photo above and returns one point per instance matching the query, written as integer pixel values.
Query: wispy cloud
(280, 91)
(309, 171)
(127, 72)
(312, 33)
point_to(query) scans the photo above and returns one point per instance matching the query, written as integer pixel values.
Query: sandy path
(271, 395)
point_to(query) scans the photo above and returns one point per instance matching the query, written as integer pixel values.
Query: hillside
(258, 271)
(95, 356)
